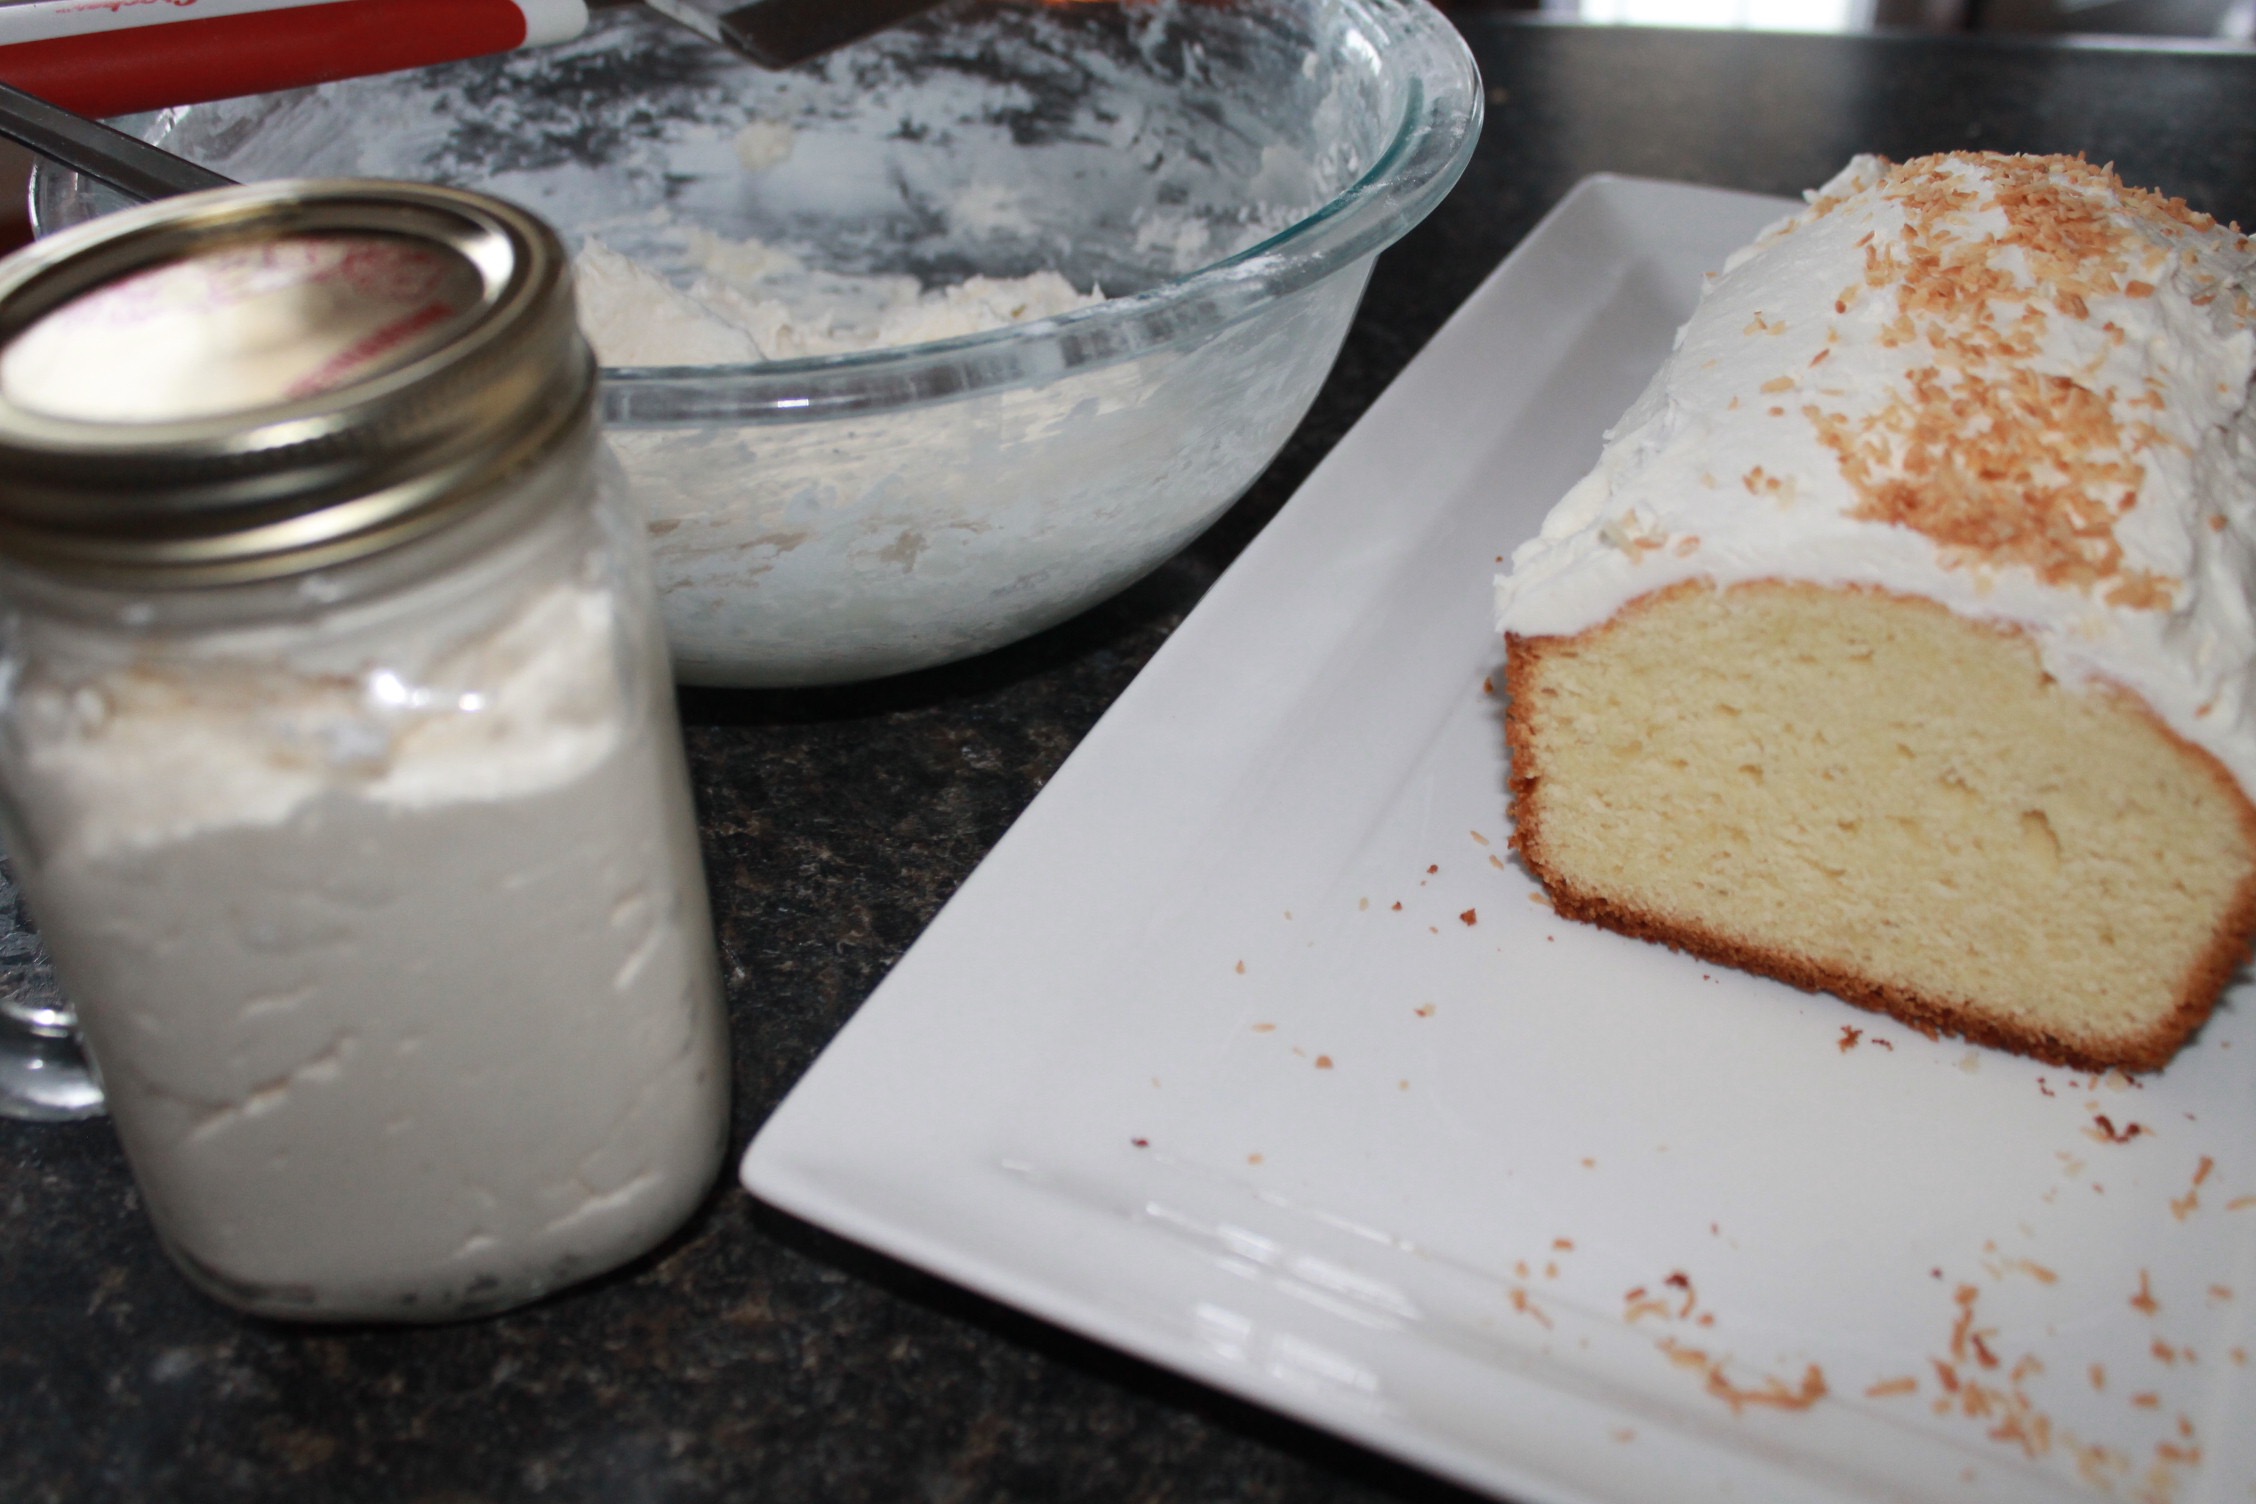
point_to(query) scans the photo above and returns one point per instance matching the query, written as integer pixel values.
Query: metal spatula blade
(785, 33)
(126, 163)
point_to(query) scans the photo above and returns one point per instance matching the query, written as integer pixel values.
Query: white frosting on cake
(2008, 384)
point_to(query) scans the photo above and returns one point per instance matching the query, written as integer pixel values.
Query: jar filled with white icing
(338, 757)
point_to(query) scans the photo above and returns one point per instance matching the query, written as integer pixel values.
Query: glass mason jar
(338, 757)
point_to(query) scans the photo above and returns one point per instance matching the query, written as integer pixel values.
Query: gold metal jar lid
(255, 382)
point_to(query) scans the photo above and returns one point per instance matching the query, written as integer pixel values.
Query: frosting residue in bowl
(752, 301)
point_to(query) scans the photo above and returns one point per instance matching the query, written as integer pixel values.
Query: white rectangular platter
(1251, 1051)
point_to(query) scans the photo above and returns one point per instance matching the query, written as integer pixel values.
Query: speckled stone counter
(754, 1356)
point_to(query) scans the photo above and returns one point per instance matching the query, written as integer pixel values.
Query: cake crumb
(2104, 1130)
(2182, 1207)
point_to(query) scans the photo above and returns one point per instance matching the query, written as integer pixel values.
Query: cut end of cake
(1862, 793)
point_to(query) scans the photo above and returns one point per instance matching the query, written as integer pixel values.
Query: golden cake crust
(2196, 993)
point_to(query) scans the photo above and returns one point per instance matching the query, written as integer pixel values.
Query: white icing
(763, 144)
(529, 707)
(634, 317)
(400, 979)
(1675, 495)
(753, 302)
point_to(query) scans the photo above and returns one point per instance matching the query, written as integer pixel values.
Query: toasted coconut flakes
(1997, 462)
(1772, 1393)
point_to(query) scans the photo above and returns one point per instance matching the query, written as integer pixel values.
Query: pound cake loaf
(1901, 643)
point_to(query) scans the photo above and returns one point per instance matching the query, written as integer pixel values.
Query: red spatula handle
(113, 57)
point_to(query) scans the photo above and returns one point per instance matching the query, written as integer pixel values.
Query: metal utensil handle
(131, 166)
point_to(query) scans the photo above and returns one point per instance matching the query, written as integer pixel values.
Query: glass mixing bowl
(1224, 173)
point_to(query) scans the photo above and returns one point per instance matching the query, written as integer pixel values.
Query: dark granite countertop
(755, 1356)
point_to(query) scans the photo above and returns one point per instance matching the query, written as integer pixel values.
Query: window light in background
(2222, 20)
(1757, 15)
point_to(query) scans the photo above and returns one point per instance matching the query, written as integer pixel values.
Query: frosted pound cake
(1901, 643)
